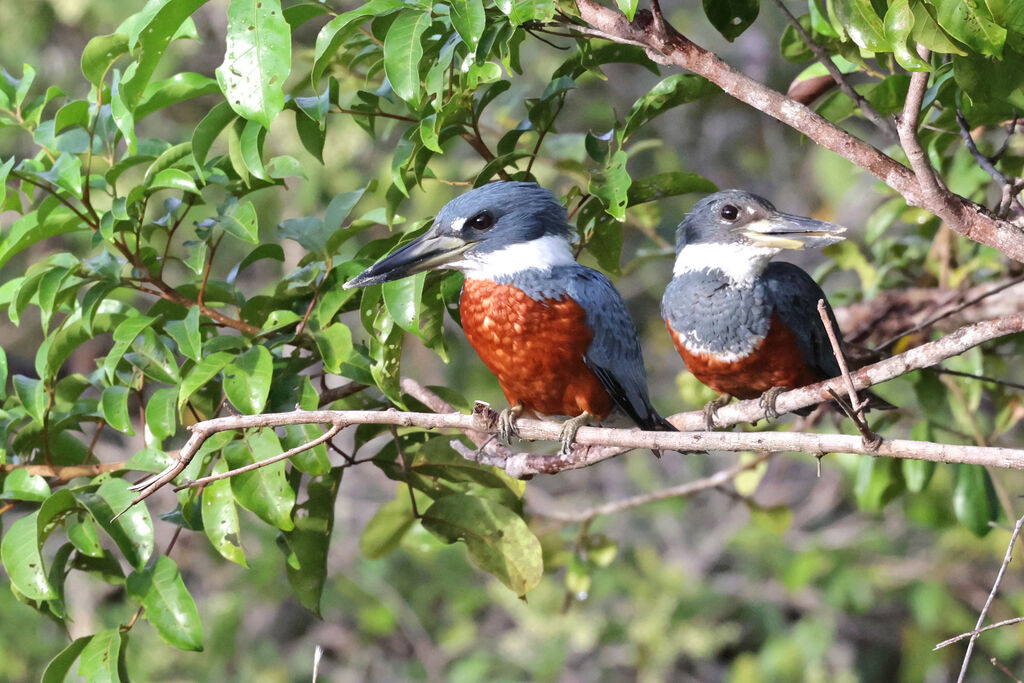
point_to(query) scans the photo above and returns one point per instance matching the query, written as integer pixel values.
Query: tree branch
(870, 113)
(668, 46)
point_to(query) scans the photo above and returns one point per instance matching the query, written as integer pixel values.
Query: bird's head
(499, 227)
(738, 232)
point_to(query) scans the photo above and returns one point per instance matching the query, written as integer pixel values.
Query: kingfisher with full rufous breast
(744, 325)
(555, 333)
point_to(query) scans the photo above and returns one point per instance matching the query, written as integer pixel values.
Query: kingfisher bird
(744, 325)
(556, 334)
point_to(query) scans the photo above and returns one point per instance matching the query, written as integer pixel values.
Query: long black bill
(428, 252)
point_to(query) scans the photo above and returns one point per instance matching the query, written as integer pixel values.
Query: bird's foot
(507, 429)
(711, 408)
(569, 429)
(767, 402)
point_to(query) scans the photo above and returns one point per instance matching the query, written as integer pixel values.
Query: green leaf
(928, 33)
(899, 22)
(670, 92)
(389, 524)
(114, 407)
(177, 88)
(75, 113)
(3, 372)
(334, 32)
(611, 184)
(186, 334)
(102, 658)
(99, 53)
(83, 535)
(257, 60)
(241, 221)
(32, 394)
(862, 24)
(203, 371)
(263, 491)
(498, 539)
(20, 485)
(247, 380)
(628, 7)
(879, 480)
(669, 184)
(125, 333)
(974, 500)
(220, 517)
(730, 17)
(521, 11)
(165, 17)
(161, 414)
(173, 179)
(27, 230)
(403, 52)
(310, 232)
(132, 531)
(59, 667)
(19, 551)
(469, 19)
(404, 300)
(169, 607)
(335, 345)
(971, 23)
(209, 128)
(310, 540)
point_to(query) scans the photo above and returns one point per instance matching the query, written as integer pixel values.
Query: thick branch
(669, 47)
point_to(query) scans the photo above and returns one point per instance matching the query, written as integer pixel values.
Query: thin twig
(986, 163)
(953, 311)
(1002, 667)
(980, 378)
(871, 439)
(991, 596)
(326, 436)
(870, 113)
(405, 470)
(978, 631)
(686, 489)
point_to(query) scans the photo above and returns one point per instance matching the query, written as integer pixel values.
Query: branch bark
(667, 46)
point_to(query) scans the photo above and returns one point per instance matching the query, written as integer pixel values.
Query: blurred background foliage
(851, 574)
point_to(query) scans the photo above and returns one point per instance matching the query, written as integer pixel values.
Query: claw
(767, 402)
(569, 429)
(507, 429)
(711, 408)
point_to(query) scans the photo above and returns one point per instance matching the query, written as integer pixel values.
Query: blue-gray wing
(795, 296)
(614, 355)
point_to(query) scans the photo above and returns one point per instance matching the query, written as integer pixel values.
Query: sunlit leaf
(257, 60)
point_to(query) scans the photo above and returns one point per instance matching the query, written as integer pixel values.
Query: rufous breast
(534, 347)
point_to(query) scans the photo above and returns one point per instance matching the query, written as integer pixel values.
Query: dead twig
(871, 439)
(991, 596)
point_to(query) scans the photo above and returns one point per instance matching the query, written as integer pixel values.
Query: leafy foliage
(138, 230)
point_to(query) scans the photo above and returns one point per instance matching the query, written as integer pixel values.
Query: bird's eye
(481, 221)
(729, 212)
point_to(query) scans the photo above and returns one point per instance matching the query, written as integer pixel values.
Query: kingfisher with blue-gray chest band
(744, 325)
(556, 334)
